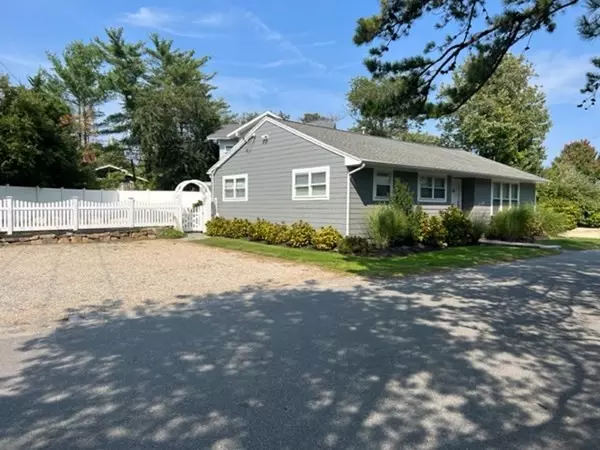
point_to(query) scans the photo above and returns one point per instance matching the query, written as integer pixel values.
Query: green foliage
(570, 210)
(506, 121)
(485, 29)
(79, 77)
(582, 156)
(301, 234)
(217, 226)
(326, 238)
(550, 221)
(37, 139)
(417, 222)
(387, 225)
(480, 225)
(433, 231)
(354, 245)
(514, 224)
(459, 229)
(402, 198)
(170, 233)
(259, 230)
(593, 221)
(569, 186)
(277, 234)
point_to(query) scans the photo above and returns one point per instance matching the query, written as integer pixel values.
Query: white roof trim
(236, 132)
(349, 160)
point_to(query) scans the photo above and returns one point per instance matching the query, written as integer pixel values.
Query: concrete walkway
(499, 357)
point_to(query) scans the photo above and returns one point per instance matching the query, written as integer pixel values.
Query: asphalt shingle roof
(222, 132)
(419, 156)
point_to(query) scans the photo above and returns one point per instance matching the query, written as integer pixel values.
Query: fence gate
(193, 219)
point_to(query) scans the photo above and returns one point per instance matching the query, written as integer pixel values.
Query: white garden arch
(195, 218)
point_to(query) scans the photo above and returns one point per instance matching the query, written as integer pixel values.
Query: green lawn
(574, 243)
(385, 266)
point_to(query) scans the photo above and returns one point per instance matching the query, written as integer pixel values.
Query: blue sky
(292, 56)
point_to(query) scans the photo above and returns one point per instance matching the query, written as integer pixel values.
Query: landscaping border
(71, 237)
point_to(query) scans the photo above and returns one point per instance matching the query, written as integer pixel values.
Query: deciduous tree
(582, 156)
(506, 121)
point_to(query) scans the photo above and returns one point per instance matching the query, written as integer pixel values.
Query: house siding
(269, 167)
(361, 196)
(225, 143)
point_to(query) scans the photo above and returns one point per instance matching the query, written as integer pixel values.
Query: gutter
(362, 166)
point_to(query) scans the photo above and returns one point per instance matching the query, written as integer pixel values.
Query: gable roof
(372, 149)
(222, 132)
(359, 148)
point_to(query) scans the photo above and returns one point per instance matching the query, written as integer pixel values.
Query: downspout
(361, 167)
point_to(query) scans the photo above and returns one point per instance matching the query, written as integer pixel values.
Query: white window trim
(228, 148)
(391, 172)
(501, 198)
(432, 200)
(235, 177)
(310, 171)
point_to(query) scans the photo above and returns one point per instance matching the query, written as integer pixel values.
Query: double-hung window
(382, 184)
(504, 195)
(433, 188)
(310, 184)
(235, 188)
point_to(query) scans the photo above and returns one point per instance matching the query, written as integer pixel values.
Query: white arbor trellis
(195, 218)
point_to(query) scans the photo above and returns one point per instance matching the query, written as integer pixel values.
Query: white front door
(456, 198)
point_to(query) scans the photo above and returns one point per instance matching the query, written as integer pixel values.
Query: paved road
(500, 357)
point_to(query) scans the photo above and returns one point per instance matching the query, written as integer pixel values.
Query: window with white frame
(433, 188)
(382, 184)
(504, 195)
(235, 188)
(310, 184)
(228, 148)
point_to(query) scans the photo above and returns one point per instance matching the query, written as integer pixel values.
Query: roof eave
(533, 179)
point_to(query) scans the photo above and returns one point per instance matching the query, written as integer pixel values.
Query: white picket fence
(75, 214)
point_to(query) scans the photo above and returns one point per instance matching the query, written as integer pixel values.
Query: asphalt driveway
(498, 357)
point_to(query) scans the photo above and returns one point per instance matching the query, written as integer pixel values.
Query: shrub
(259, 230)
(593, 221)
(216, 226)
(416, 221)
(354, 245)
(514, 224)
(434, 232)
(237, 228)
(402, 198)
(570, 209)
(300, 234)
(387, 225)
(550, 221)
(481, 225)
(459, 229)
(170, 233)
(326, 238)
(277, 233)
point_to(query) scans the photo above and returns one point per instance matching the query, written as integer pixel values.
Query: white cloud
(320, 44)
(561, 75)
(216, 19)
(282, 42)
(150, 18)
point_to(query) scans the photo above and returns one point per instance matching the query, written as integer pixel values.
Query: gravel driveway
(498, 357)
(42, 284)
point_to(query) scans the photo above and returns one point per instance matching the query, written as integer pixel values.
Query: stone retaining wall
(60, 237)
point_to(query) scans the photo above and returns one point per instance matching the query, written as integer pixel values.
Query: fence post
(9, 217)
(179, 224)
(75, 213)
(132, 212)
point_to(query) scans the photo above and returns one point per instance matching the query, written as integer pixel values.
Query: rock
(104, 238)
(36, 242)
(85, 239)
(151, 236)
(47, 236)
(63, 240)
(75, 238)
(114, 238)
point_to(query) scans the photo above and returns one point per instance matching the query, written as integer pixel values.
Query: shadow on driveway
(500, 357)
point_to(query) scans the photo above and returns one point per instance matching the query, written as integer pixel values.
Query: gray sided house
(286, 171)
